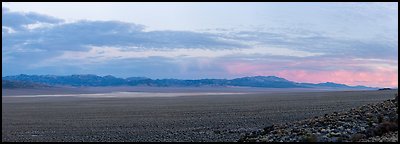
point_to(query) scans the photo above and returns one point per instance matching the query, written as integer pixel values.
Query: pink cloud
(380, 78)
(238, 68)
(375, 76)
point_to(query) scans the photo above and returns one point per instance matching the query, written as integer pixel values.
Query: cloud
(39, 44)
(108, 53)
(75, 36)
(378, 78)
(51, 34)
(304, 40)
(4, 9)
(7, 30)
(316, 63)
(17, 20)
(347, 70)
(38, 25)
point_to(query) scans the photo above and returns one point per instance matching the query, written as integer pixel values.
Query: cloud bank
(39, 44)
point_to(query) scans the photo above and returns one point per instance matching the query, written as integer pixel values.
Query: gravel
(191, 118)
(387, 137)
(366, 123)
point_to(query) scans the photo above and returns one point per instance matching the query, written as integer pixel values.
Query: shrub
(385, 127)
(217, 131)
(268, 129)
(356, 137)
(370, 123)
(310, 138)
(380, 118)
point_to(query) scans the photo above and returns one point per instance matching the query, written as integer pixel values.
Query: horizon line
(197, 79)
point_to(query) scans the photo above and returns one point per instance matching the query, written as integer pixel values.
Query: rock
(368, 114)
(354, 125)
(336, 139)
(362, 128)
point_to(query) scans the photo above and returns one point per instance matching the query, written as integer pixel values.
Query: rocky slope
(387, 137)
(372, 122)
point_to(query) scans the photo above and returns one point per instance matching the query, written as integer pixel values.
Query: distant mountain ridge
(94, 80)
(21, 84)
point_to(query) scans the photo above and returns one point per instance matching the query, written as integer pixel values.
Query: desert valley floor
(178, 116)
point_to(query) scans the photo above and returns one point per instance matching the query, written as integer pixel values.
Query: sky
(348, 43)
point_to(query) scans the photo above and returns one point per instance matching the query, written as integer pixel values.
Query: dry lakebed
(160, 116)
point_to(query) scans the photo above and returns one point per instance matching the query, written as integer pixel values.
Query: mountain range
(32, 81)
(21, 84)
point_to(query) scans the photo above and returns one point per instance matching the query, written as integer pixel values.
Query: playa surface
(173, 116)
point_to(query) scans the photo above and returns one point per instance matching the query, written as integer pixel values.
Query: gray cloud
(18, 20)
(27, 47)
(77, 35)
(318, 42)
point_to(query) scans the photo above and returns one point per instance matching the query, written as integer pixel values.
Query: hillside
(376, 122)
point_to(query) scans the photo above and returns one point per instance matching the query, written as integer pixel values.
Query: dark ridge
(11, 84)
(94, 80)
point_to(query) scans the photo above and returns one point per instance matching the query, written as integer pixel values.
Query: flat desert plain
(177, 116)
